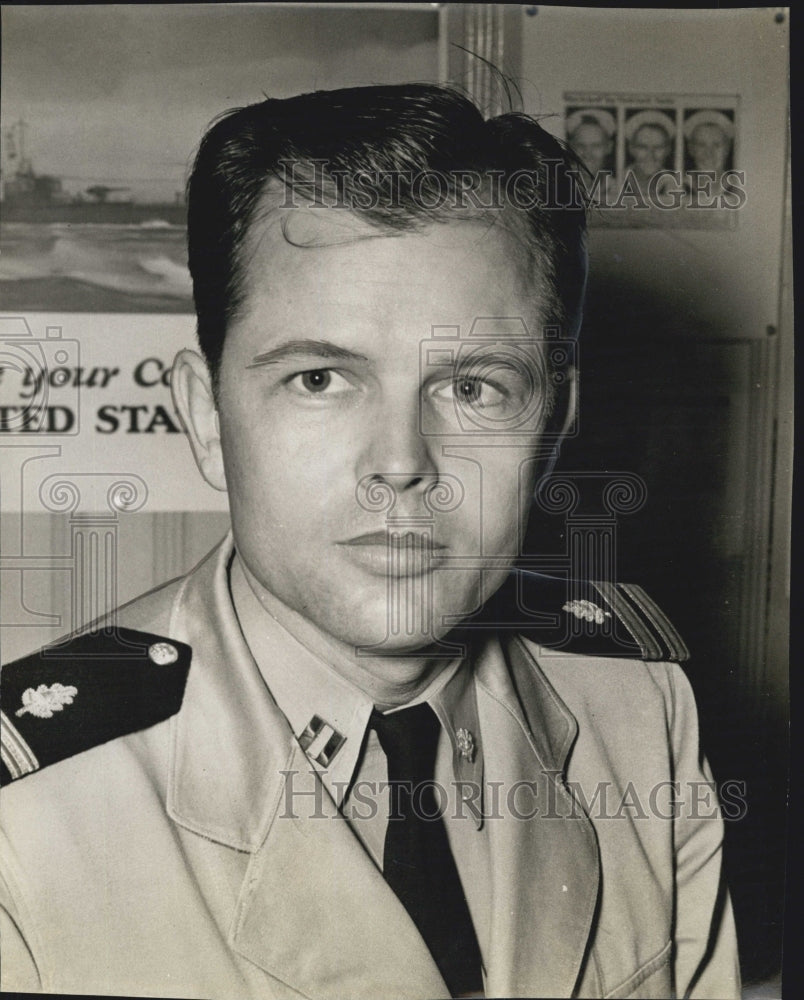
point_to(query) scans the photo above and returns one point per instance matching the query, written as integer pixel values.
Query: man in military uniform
(353, 753)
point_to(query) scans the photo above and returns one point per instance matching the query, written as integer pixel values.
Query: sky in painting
(120, 94)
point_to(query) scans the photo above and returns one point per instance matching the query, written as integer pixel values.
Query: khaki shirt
(174, 862)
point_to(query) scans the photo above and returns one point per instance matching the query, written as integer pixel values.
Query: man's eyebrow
(309, 348)
(495, 354)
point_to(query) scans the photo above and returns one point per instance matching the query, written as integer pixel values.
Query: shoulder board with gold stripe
(592, 618)
(82, 692)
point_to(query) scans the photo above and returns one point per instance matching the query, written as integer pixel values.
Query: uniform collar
(231, 742)
(327, 713)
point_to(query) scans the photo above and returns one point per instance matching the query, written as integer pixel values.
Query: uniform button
(162, 653)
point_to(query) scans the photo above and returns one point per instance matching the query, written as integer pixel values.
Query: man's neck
(389, 680)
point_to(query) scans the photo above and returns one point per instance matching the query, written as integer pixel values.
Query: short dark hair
(346, 144)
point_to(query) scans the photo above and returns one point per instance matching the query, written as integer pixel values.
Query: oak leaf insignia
(44, 701)
(587, 611)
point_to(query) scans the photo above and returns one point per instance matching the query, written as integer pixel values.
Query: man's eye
(318, 382)
(470, 391)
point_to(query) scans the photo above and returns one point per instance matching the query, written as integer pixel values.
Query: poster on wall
(658, 159)
(85, 408)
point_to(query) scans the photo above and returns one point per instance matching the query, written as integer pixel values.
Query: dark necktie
(417, 861)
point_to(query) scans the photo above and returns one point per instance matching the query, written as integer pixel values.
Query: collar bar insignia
(320, 741)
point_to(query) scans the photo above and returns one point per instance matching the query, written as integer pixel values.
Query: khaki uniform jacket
(160, 863)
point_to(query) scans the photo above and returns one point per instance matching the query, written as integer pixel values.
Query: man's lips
(397, 554)
(396, 539)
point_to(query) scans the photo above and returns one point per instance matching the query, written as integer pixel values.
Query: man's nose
(396, 450)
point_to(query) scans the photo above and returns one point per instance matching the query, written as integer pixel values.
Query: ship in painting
(28, 196)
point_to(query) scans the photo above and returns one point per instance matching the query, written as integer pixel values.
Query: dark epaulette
(591, 618)
(87, 690)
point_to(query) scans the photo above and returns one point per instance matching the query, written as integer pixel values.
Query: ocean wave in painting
(95, 267)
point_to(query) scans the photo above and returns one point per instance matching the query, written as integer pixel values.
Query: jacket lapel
(316, 913)
(313, 910)
(545, 869)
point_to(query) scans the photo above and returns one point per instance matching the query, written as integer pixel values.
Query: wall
(686, 361)
(728, 281)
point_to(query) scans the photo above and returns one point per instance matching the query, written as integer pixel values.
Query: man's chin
(395, 646)
(382, 628)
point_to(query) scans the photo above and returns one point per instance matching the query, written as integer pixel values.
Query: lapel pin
(44, 701)
(466, 744)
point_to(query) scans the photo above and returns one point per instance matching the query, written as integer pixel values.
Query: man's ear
(562, 419)
(569, 399)
(191, 386)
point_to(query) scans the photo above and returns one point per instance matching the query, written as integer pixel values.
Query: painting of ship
(30, 197)
(92, 248)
